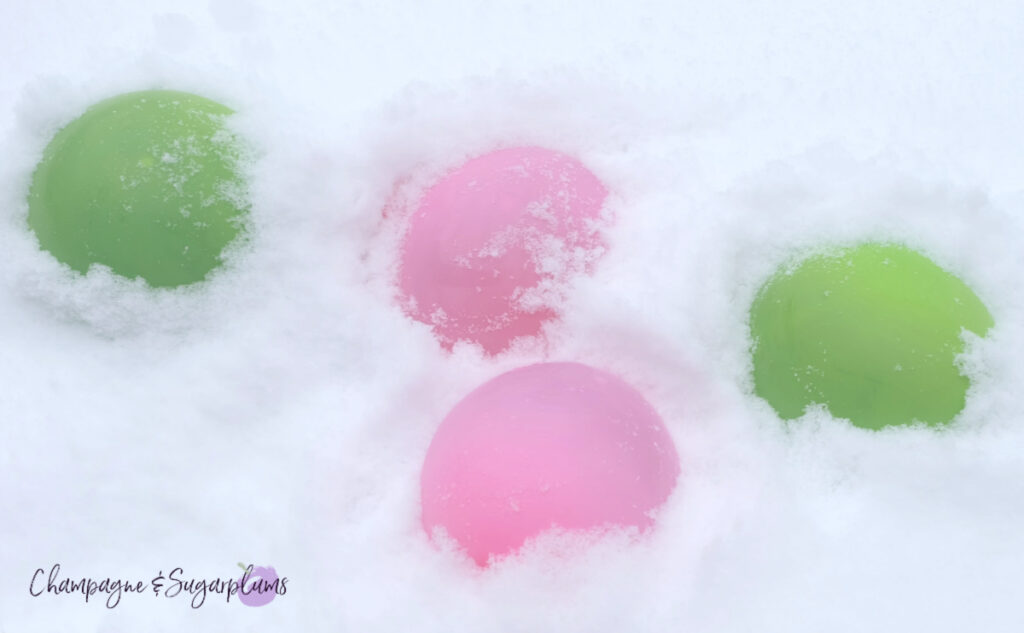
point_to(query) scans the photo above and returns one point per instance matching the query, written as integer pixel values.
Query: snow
(279, 414)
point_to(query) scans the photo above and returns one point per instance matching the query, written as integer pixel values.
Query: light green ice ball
(146, 183)
(871, 332)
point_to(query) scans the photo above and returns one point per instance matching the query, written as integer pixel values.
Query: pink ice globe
(492, 240)
(550, 445)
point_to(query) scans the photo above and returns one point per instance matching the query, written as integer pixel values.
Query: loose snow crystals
(493, 242)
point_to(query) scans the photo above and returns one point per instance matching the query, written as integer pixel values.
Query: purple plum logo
(259, 585)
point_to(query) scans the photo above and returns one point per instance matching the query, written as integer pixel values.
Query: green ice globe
(871, 332)
(146, 183)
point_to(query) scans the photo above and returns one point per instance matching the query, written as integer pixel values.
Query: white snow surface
(279, 414)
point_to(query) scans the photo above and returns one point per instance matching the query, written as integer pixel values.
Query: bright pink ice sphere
(548, 445)
(489, 235)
